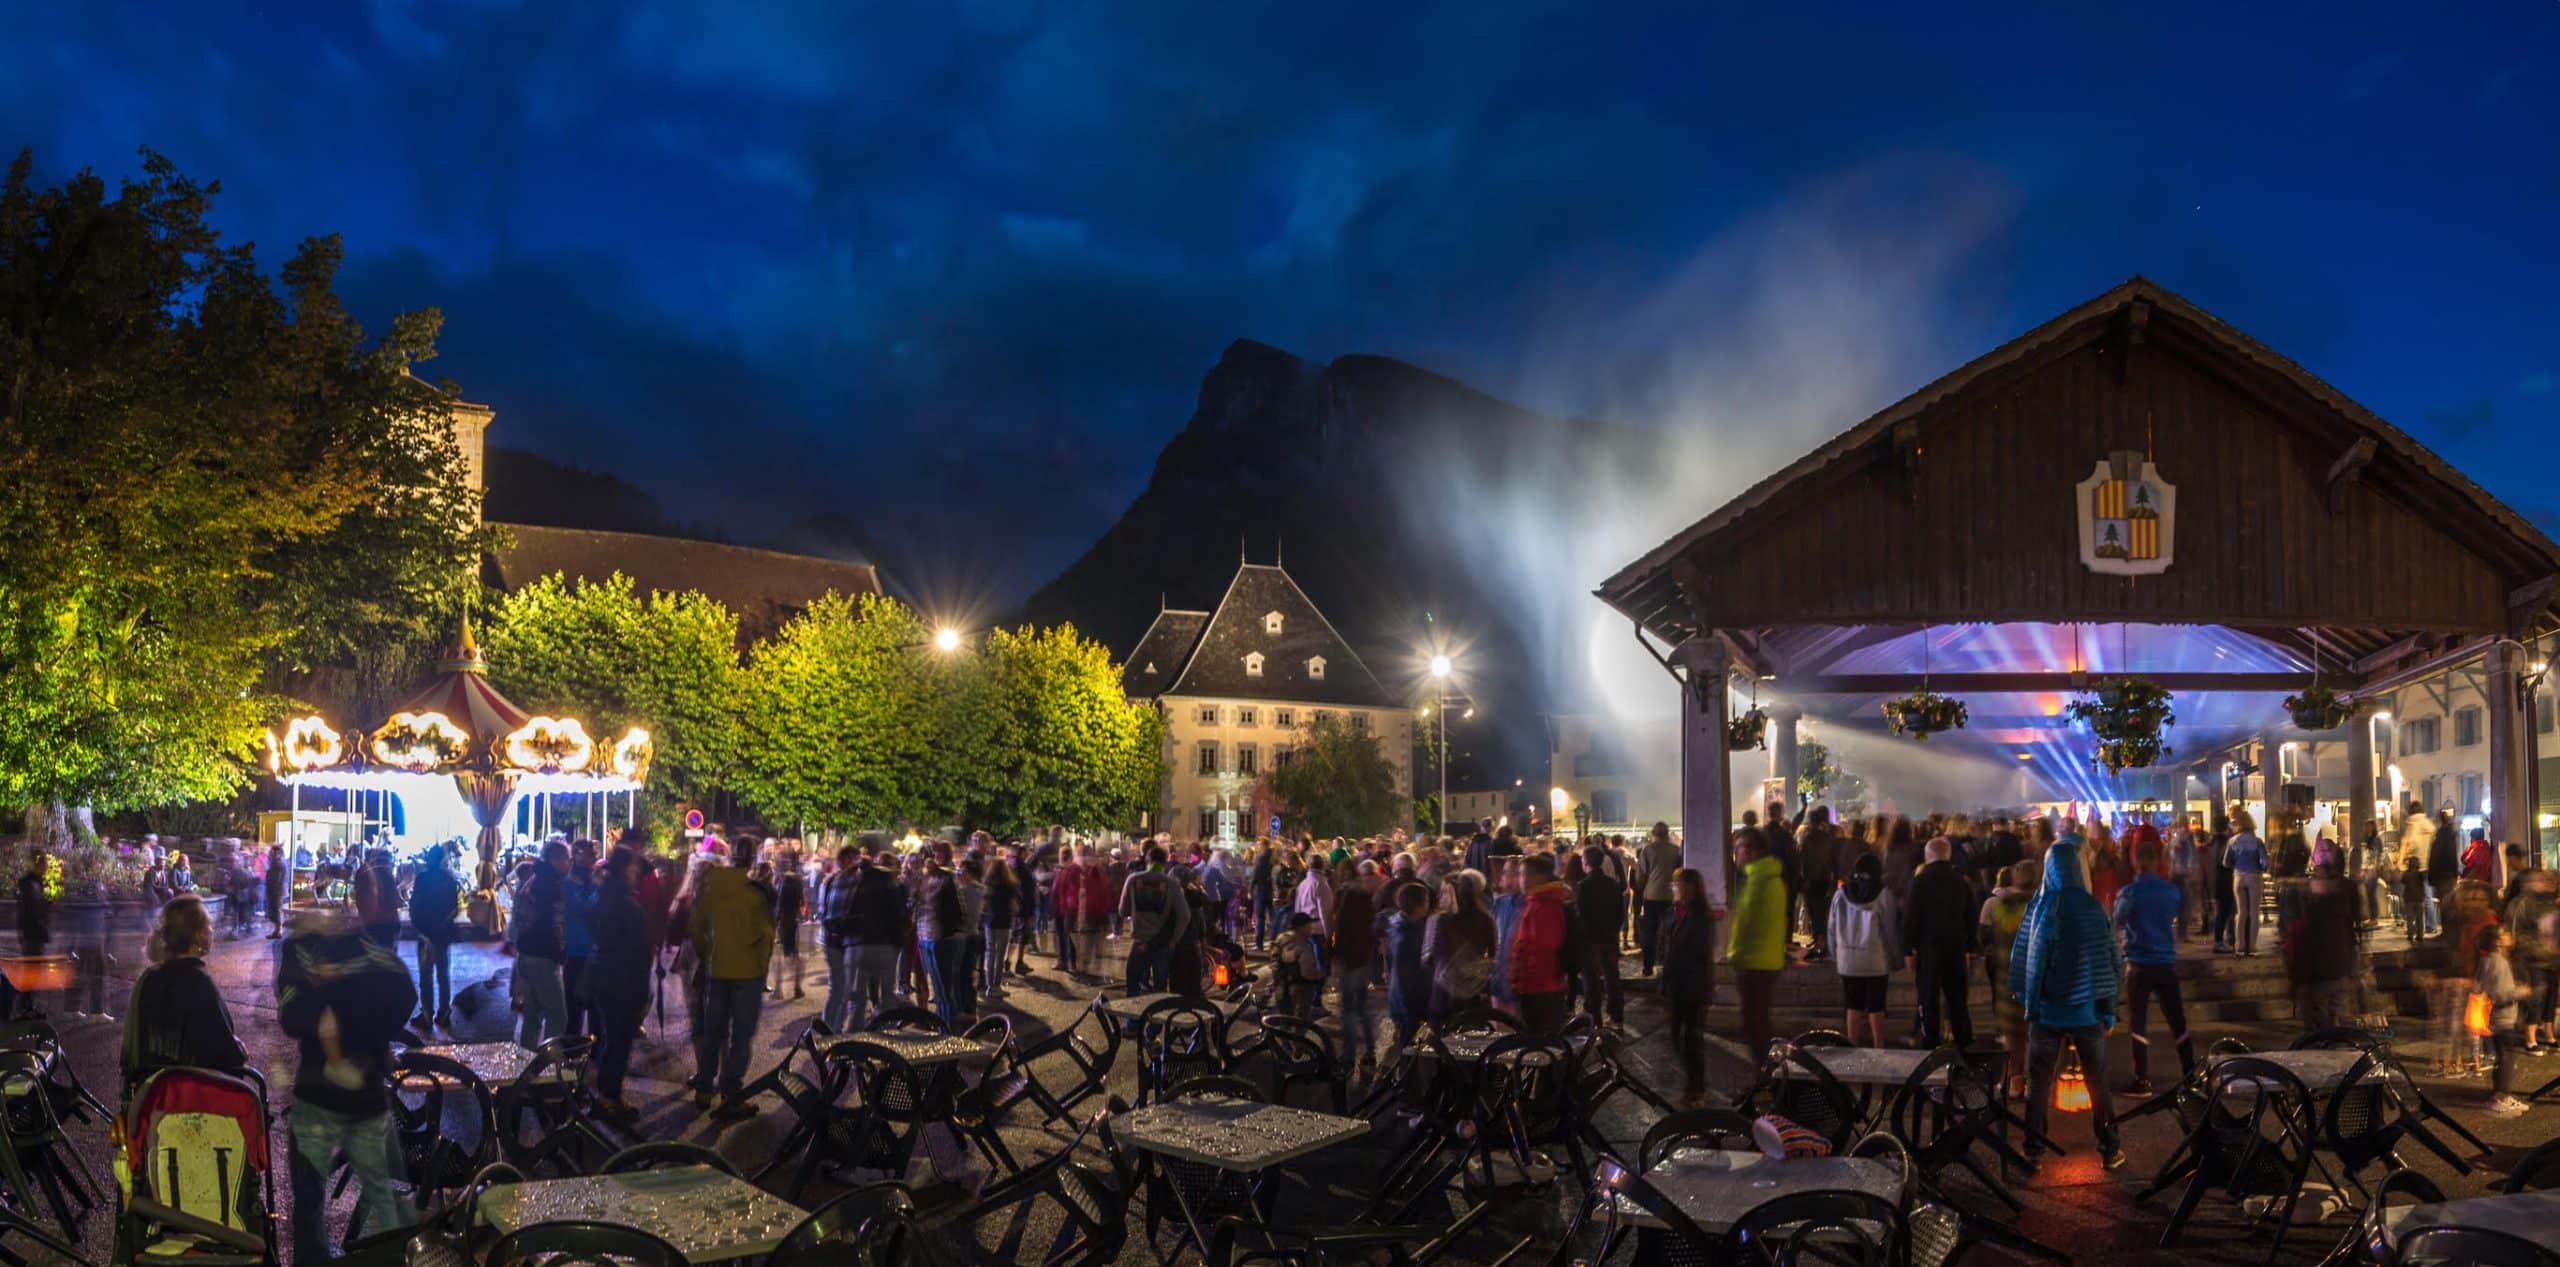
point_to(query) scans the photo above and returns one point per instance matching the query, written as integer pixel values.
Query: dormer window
(1315, 668)
(1271, 623)
(1253, 665)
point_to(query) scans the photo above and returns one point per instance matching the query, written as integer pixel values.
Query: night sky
(956, 268)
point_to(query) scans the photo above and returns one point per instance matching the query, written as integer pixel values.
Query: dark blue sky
(956, 267)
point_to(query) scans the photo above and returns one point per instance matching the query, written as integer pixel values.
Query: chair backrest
(2443, 1246)
(2256, 1128)
(1712, 1130)
(867, 1227)
(1467, 1020)
(660, 1153)
(906, 1018)
(2535, 1170)
(582, 1244)
(2361, 1118)
(891, 1088)
(1885, 1147)
(1802, 1091)
(1683, 1239)
(1822, 1038)
(2400, 1189)
(1851, 1229)
(1920, 1111)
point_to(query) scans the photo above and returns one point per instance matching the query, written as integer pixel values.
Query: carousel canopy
(461, 692)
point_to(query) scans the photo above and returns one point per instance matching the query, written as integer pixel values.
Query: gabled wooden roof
(2304, 515)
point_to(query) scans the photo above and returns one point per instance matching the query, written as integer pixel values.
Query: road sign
(693, 820)
(1275, 823)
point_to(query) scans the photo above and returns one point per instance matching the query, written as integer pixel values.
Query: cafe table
(1239, 1141)
(1716, 1187)
(494, 1064)
(1132, 1006)
(2322, 1070)
(709, 1216)
(921, 1048)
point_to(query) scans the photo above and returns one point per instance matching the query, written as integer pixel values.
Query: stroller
(194, 1167)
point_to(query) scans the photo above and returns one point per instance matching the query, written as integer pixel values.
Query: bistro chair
(1091, 1058)
(867, 1227)
(1680, 1242)
(2536, 1170)
(2442, 1246)
(1177, 1037)
(571, 1243)
(2361, 1123)
(36, 1157)
(1239, 1242)
(2255, 1137)
(1295, 1053)
(1523, 1087)
(23, 1240)
(1797, 1088)
(662, 1153)
(1945, 1125)
(1217, 1086)
(433, 1160)
(2368, 1240)
(881, 1131)
(1840, 1227)
(1092, 1203)
(1704, 1130)
(807, 1085)
(978, 1103)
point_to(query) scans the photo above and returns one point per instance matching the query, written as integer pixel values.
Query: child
(2002, 912)
(1408, 982)
(1297, 967)
(1507, 901)
(1863, 940)
(2498, 980)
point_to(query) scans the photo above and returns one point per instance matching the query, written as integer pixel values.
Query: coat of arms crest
(2128, 517)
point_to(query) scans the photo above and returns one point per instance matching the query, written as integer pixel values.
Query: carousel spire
(464, 657)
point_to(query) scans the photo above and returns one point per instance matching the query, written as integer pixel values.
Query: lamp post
(1440, 669)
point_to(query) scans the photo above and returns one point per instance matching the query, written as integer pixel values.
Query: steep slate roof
(764, 587)
(1215, 666)
(1161, 652)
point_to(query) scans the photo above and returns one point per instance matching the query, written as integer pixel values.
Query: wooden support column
(2359, 789)
(1706, 771)
(1783, 764)
(2511, 809)
(2177, 797)
(2217, 796)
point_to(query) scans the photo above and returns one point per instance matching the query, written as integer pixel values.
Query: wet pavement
(2072, 1203)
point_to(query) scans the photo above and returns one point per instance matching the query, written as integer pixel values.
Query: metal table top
(2531, 1215)
(1233, 1134)
(1872, 1066)
(919, 1047)
(1131, 1007)
(708, 1216)
(2321, 1071)
(494, 1063)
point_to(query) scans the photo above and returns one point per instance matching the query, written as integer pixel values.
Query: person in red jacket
(1538, 949)
(1085, 902)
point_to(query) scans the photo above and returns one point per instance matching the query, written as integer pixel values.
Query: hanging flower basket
(2127, 714)
(2320, 708)
(1748, 731)
(1924, 713)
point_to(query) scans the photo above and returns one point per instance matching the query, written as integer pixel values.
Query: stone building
(1240, 685)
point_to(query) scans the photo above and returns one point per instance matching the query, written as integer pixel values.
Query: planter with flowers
(2127, 715)
(1923, 713)
(1748, 731)
(2320, 708)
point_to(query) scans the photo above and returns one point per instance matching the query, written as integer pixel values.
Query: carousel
(462, 763)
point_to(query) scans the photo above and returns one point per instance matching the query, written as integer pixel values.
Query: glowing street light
(947, 640)
(1440, 667)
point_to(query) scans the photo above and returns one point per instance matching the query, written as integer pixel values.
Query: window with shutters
(1208, 756)
(1247, 760)
(1208, 714)
(1247, 715)
(2466, 727)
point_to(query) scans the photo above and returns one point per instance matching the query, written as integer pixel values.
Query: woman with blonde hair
(176, 1016)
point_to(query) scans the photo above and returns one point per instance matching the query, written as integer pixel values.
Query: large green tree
(615, 658)
(856, 719)
(1338, 783)
(205, 475)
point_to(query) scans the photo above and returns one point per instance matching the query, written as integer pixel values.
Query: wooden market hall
(2132, 488)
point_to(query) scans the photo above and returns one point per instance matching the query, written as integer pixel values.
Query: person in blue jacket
(2066, 969)
(2147, 914)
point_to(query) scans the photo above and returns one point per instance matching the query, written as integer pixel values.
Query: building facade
(1240, 686)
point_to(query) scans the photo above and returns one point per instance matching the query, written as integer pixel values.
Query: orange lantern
(2071, 1090)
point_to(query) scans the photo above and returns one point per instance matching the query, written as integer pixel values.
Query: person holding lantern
(2066, 969)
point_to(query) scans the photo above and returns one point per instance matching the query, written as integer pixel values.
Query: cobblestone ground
(2073, 1203)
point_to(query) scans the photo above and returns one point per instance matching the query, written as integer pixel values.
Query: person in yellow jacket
(732, 932)
(1757, 947)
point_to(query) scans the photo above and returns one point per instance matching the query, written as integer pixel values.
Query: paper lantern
(2071, 1090)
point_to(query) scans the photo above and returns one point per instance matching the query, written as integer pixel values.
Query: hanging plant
(1923, 713)
(2127, 715)
(1748, 731)
(2320, 708)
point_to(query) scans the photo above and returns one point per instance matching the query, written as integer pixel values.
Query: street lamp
(947, 640)
(1438, 713)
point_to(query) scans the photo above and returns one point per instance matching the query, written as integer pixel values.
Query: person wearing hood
(2066, 968)
(1538, 948)
(1937, 930)
(1815, 853)
(2146, 912)
(1863, 933)
(1758, 945)
(2002, 913)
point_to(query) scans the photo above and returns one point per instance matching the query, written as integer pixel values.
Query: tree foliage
(204, 474)
(1339, 783)
(615, 658)
(854, 720)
